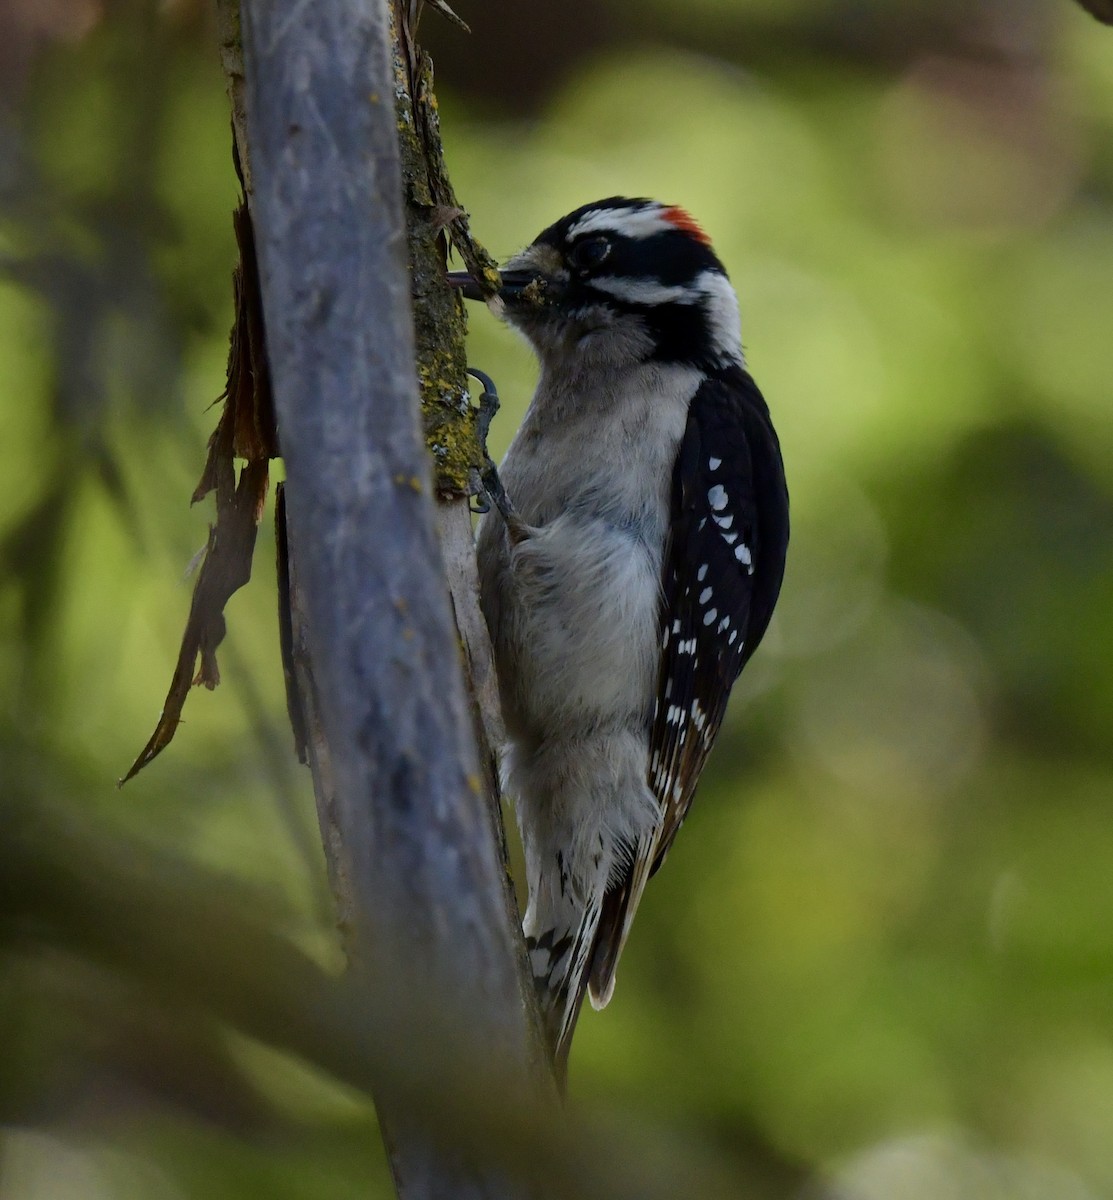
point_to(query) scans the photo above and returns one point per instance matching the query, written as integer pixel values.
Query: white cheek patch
(721, 306)
(644, 291)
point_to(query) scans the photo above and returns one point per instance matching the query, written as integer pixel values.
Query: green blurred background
(883, 946)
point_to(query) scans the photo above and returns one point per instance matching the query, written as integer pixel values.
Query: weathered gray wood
(422, 865)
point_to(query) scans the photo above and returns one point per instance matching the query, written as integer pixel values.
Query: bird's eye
(588, 254)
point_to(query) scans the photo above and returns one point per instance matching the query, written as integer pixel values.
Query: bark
(412, 845)
(433, 216)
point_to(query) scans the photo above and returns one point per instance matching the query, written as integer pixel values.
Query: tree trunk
(414, 853)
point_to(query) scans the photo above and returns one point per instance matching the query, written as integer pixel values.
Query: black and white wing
(723, 565)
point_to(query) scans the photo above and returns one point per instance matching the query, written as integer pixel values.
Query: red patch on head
(683, 220)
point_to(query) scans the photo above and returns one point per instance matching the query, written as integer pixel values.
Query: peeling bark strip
(424, 871)
(287, 640)
(246, 430)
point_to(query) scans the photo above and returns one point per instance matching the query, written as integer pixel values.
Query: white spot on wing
(710, 615)
(713, 464)
(717, 498)
(724, 522)
(701, 574)
(705, 595)
(742, 553)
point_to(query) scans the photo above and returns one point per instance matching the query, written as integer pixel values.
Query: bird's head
(620, 282)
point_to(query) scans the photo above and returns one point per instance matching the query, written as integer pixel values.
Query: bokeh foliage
(882, 946)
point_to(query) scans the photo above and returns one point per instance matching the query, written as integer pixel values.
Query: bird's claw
(488, 485)
(488, 406)
(480, 505)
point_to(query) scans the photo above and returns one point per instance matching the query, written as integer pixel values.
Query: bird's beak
(466, 285)
(514, 283)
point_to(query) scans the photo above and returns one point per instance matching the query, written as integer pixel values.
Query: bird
(633, 574)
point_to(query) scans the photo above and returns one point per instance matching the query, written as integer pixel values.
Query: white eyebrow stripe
(645, 291)
(634, 221)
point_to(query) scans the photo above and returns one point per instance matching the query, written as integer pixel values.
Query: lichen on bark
(436, 222)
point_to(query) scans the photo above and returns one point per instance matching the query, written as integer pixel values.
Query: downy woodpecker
(637, 574)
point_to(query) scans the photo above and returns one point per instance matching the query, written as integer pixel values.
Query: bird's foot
(488, 486)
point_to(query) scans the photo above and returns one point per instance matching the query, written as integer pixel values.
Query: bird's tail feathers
(560, 959)
(620, 903)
